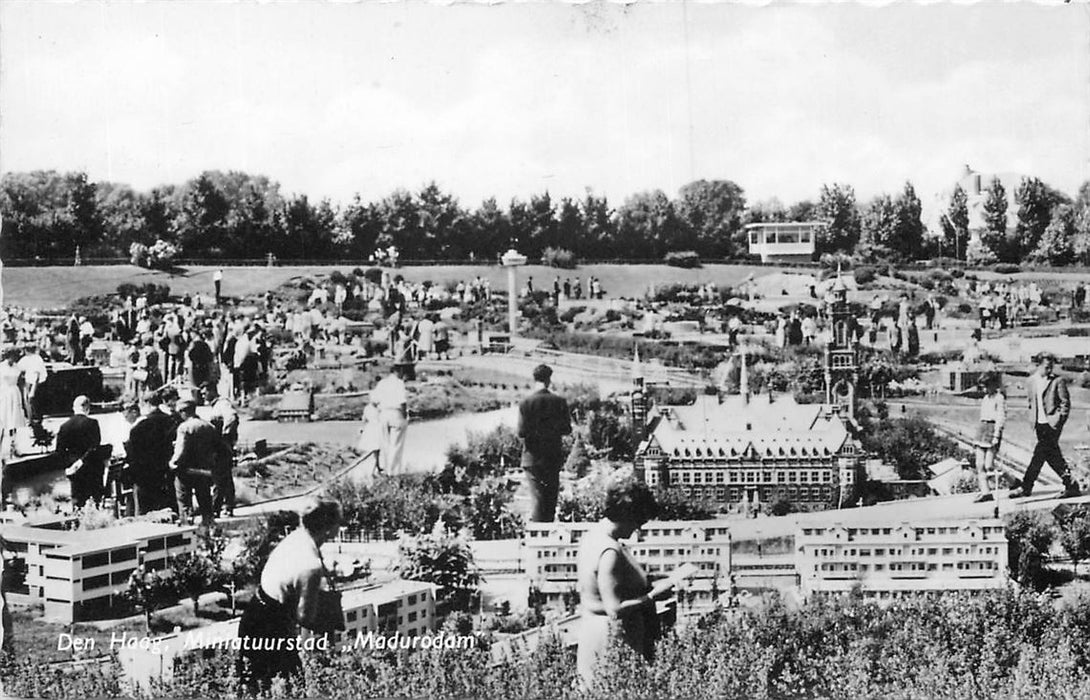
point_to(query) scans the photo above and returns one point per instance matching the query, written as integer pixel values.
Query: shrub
(156, 293)
(683, 258)
(864, 275)
(1007, 268)
(337, 277)
(569, 314)
(161, 255)
(558, 257)
(138, 254)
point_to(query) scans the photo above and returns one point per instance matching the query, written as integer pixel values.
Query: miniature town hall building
(734, 449)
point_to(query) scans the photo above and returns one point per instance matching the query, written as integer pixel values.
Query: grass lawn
(55, 286)
(290, 470)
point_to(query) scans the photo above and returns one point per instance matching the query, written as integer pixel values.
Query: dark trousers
(218, 285)
(264, 621)
(188, 485)
(149, 497)
(223, 490)
(1047, 450)
(544, 488)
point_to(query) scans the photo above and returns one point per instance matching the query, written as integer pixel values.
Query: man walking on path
(217, 283)
(1049, 407)
(543, 420)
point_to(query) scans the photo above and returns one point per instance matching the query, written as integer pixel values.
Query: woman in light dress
(618, 602)
(12, 415)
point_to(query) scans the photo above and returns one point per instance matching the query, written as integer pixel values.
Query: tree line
(232, 215)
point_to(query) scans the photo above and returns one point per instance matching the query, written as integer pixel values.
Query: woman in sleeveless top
(616, 598)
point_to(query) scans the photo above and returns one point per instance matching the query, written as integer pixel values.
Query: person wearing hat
(993, 415)
(390, 398)
(544, 420)
(196, 449)
(1049, 408)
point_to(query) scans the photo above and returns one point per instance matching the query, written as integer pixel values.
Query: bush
(558, 257)
(161, 255)
(156, 293)
(683, 258)
(138, 254)
(864, 275)
(1007, 268)
(569, 314)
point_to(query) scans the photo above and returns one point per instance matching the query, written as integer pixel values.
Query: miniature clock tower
(841, 362)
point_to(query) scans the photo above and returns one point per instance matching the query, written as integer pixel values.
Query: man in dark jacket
(543, 420)
(1049, 408)
(196, 448)
(79, 443)
(148, 449)
(200, 360)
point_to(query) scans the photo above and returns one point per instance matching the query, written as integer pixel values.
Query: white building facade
(884, 560)
(75, 573)
(551, 551)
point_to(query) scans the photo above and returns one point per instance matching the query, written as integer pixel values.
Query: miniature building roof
(732, 413)
(771, 428)
(384, 592)
(77, 542)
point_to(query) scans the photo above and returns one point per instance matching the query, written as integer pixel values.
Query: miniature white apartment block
(404, 607)
(551, 550)
(885, 560)
(75, 572)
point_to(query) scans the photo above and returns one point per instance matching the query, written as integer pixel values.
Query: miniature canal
(426, 441)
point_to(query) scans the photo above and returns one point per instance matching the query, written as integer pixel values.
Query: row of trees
(1049, 228)
(48, 215)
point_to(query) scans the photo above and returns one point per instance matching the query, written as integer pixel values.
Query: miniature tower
(639, 402)
(841, 365)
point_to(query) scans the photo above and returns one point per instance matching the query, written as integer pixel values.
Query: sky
(509, 100)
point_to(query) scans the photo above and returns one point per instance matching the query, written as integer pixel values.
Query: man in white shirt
(391, 398)
(34, 372)
(217, 283)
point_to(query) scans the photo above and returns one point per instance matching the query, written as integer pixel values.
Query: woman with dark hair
(286, 599)
(618, 601)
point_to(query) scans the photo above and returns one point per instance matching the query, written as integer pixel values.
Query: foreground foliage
(1005, 644)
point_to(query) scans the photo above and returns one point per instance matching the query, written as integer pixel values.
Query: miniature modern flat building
(551, 551)
(784, 241)
(403, 607)
(75, 572)
(886, 559)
